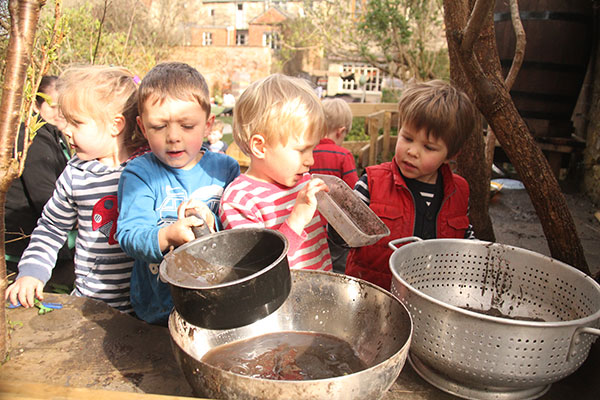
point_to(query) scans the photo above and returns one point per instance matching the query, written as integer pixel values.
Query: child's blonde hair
(176, 80)
(337, 115)
(277, 107)
(100, 93)
(443, 110)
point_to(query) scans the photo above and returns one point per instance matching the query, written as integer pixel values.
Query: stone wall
(226, 66)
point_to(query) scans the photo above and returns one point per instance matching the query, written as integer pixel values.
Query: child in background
(416, 194)
(214, 142)
(157, 188)
(278, 121)
(99, 105)
(330, 157)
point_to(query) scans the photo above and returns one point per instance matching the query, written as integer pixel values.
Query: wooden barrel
(559, 37)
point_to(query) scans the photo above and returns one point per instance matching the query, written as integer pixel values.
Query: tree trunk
(24, 16)
(472, 164)
(470, 35)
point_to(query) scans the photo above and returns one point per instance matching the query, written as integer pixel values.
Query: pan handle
(199, 231)
(392, 244)
(575, 340)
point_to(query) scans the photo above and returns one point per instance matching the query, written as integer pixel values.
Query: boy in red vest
(416, 194)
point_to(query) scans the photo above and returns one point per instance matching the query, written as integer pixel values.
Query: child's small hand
(306, 205)
(24, 290)
(181, 232)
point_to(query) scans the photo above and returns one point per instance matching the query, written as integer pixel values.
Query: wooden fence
(377, 116)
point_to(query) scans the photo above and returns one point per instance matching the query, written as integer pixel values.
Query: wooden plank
(387, 127)
(18, 390)
(365, 109)
(373, 135)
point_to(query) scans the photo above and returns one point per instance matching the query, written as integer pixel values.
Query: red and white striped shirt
(249, 202)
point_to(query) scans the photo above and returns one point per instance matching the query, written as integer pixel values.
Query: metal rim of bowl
(163, 267)
(580, 321)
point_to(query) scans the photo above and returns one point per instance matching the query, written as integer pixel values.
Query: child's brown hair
(277, 107)
(444, 111)
(176, 80)
(100, 93)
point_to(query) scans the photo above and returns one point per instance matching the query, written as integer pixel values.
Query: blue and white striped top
(85, 198)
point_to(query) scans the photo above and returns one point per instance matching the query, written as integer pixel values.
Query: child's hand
(24, 290)
(306, 205)
(181, 232)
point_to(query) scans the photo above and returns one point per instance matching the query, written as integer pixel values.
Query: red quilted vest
(392, 201)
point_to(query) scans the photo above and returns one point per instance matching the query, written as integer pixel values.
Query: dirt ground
(516, 223)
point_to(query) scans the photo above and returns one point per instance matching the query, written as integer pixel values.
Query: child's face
(418, 155)
(175, 130)
(284, 164)
(90, 139)
(214, 136)
(49, 111)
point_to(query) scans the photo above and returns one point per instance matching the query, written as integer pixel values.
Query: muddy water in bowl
(196, 272)
(287, 356)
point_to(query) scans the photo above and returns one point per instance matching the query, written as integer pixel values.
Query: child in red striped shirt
(278, 121)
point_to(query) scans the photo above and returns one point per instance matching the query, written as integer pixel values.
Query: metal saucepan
(493, 321)
(370, 319)
(230, 278)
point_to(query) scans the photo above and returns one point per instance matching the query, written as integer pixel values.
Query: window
(240, 6)
(241, 38)
(271, 40)
(206, 38)
(211, 12)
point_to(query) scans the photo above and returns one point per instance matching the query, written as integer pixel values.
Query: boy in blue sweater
(156, 189)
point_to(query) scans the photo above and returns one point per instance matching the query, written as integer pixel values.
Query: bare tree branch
(475, 23)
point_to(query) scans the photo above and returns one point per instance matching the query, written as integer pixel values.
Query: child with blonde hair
(100, 108)
(330, 157)
(213, 138)
(278, 121)
(416, 194)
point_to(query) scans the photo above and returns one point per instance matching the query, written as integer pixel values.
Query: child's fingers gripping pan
(353, 220)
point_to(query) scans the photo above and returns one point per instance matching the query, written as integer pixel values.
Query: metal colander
(493, 321)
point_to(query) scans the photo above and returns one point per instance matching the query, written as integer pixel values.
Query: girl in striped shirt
(278, 121)
(100, 107)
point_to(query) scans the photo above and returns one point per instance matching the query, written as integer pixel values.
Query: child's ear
(257, 146)
(341, 132)
(209, 123)
(140, 124)
(118, 124)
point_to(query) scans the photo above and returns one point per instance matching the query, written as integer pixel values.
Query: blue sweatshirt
(149, 194)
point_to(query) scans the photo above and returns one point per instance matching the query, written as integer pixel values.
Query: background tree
(24, 16)
(118, 32)
(403, 38)
(475, 66)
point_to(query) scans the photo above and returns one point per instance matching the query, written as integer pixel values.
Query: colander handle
(575, 340)
(392, 244)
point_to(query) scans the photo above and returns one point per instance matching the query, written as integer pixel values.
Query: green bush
(358, 130)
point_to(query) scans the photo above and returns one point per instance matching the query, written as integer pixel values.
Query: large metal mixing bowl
(370, 319)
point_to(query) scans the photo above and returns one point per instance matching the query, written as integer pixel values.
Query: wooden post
(387, 127)
(373, 134)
